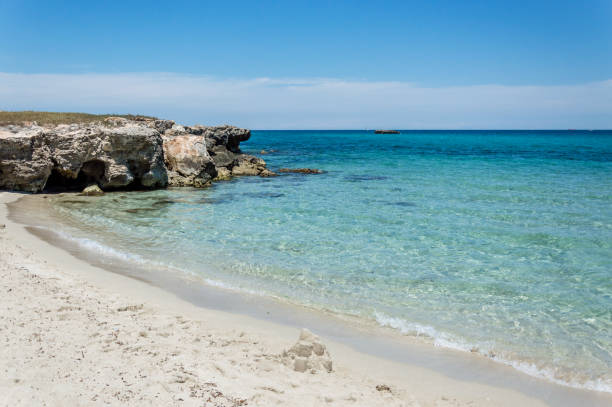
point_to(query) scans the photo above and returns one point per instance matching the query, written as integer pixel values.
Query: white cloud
(269, 103)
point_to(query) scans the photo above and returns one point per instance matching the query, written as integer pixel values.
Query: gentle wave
(95, 247)
(445, 340)
(99, 248)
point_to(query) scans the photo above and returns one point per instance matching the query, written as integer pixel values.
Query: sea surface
(492, 242)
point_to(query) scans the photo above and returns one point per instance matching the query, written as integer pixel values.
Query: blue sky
(436, 45)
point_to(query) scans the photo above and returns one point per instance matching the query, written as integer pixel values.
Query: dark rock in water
(139, 210)
(263, 194)
(267, 173)
(227, 198)
(248, 165)
(72, 201)
(163, 203)
(402, 203)
(359, 178)
(245, 164)
(386, 132)
(223, 174)
(301, 170)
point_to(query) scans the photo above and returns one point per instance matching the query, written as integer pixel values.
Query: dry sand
(73, 334)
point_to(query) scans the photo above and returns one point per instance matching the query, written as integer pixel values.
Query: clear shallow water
(491, 242)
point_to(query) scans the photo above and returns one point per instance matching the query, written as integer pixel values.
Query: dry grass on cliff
(55, 118)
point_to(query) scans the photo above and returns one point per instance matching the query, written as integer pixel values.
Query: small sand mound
(308, 354)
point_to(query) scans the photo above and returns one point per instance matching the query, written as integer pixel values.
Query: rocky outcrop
(25, 162)
(122, 154)
(74, 156)
(187, 159)
(223, 145)
(197, 155)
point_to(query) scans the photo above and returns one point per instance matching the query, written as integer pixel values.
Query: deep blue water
(498, 242)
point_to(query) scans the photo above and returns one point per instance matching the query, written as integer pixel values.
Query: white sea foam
(445, 340)
(230, 287)
(99, 248)
(549, 374)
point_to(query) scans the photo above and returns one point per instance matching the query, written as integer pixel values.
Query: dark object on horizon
(386, 132)
(301, 170)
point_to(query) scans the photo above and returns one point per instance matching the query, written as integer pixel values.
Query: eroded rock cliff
(121, 154)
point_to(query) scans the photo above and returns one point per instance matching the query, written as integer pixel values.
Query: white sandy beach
(74, 334)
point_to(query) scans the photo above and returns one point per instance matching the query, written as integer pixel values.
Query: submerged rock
(267, 173)
(301, 170)
(248, 165)
(223, 174)
(92, 190)
(308, 354)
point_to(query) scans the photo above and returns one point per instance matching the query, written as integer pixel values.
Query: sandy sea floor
(75, 334)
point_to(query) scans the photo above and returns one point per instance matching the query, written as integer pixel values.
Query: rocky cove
(120, 153)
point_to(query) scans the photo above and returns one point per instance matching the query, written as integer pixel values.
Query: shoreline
(425, 385)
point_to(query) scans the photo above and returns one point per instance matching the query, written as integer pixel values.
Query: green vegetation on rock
(54, 118)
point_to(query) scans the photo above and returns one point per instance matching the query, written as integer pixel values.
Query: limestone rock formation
(197, 155)
(188, 161)
(74, 156)
(308, 354)
(119, 153)
(248, 165)
(223, 174)
(25, 160)
(223, 145)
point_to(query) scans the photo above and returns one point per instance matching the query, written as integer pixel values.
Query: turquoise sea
(496, 242)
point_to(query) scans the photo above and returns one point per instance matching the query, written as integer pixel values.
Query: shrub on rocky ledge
(55, 118)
